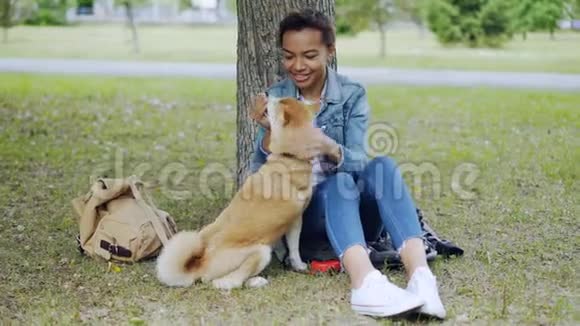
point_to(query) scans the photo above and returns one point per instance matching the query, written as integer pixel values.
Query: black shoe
(443, 247)
(430, 251)
(383, 243)
(383, 253)
(383, 256)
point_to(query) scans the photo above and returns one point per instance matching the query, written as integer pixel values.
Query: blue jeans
(353, 208)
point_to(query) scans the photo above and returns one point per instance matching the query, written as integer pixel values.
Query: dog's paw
(226, 283)
(298, 265)
(256, 282)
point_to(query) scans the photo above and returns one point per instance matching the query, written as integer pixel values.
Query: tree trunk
(7, 13)
(552, 34)
(421, 28)
(383, 41)
(258, 64)
(419, 24)
(132, 26)
(219, 9)
(524, 35)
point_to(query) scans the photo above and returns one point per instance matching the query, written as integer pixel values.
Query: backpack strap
(87, 207)
(148, 206)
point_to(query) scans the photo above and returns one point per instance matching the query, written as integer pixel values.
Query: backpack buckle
(115, 249)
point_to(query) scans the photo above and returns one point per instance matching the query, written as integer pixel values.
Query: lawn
(406, 48)
(520, 232)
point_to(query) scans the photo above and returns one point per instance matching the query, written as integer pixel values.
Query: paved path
(365, 75)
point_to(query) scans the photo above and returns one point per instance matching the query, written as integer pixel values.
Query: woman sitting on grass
(340, 212)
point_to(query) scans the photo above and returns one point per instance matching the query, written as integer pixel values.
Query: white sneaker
(379, 297)
(424, 284)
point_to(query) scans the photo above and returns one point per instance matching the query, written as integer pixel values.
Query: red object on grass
(325, 266)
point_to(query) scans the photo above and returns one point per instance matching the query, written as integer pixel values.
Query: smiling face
(305, 57)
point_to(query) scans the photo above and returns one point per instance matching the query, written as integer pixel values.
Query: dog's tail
(179, 259)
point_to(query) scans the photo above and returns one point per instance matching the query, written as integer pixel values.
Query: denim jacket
(343, 116)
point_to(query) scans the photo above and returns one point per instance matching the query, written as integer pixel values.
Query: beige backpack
(118, 221)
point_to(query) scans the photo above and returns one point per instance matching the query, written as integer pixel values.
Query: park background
(480, 100)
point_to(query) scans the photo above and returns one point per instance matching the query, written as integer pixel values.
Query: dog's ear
(286, 115)
(295, 113)
(289, 114)
(292, 111)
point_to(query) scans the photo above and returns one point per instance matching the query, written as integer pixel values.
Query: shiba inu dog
(236, 247)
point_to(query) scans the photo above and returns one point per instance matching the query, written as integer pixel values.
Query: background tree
(495, 22)
(130, 6)
(472, 22)
(538, 15)
(443, 20)
(351, 17)
(546, 14)
(575, 9)
(571, 9)
(357, 15)
(7, 14)
(414, 10)
(49, 12)
(522, 16)
(12, 12)
(258, 63)
(382, 12)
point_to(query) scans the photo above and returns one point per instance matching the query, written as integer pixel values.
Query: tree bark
(421, 28)
(7, 13)
(219, 9)
(132, 26)
(258, 64)
(383, 41)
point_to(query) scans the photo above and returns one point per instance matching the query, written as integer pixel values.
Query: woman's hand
(258, 111)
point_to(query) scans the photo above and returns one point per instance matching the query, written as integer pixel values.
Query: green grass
(405, 48)
(520, 232)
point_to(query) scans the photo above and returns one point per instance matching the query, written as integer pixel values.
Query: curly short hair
(308, 18)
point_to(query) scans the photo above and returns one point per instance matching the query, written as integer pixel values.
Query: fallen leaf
(136, 321)
(113, 268)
